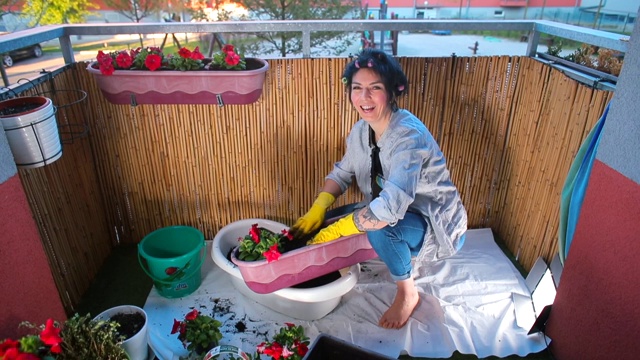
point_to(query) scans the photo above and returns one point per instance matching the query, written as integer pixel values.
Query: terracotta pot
(303, 264)
(183, 87)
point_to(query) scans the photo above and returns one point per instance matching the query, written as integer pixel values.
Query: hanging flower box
(146, 76)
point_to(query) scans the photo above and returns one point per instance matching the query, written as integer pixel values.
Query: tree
(47, 12)
(136, 10)
(291, 42)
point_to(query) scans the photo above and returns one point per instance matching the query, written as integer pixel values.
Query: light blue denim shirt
(416, 179)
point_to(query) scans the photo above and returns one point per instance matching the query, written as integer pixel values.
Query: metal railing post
(67, 49)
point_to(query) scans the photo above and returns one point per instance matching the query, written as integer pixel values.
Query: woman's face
(369, 96)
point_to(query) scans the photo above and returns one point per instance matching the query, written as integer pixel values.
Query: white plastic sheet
(466, 306)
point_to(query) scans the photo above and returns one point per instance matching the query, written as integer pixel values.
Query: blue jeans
(395, 245)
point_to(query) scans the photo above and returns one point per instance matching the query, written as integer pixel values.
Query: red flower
(177, 325)
(228, 49)
(196, 54)
(286, 233)
(51, 336)
(7, 345)
(272, 254)
(107, 69)
(232, 59)
(302, 348)
(275, 350)
(184, 53)
(153, 62)
(255, 233)
(191, 315)
(124, 60)
(290, 324)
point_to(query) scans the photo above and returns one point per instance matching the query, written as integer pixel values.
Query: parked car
(22, 53)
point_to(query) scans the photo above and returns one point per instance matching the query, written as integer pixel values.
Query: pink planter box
(183, 87)
(303, 264)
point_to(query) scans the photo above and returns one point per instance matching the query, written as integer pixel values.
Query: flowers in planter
(79, 337)
(198, 332)
(152, 58)
(261, 243)
(44, 345)
(289, 343)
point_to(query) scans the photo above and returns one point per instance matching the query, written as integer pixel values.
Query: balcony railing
(533, 29)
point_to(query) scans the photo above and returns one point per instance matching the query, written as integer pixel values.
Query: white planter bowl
(137, 346)
(303, 304)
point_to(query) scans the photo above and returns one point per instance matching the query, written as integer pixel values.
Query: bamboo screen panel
(66, 197)
(509, 127)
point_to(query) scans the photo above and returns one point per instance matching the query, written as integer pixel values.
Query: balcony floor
(109, 289)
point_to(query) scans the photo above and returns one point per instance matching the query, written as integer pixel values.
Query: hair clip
(357, 64)
(344, 80)
(400, 87)
(370, 63)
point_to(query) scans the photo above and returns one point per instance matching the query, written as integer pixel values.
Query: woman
(411, 208)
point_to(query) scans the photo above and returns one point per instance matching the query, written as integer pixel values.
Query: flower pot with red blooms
(198, 333)
(132, 329)
(285, 265)
(77, 338)
(289, 342)
(147, 76)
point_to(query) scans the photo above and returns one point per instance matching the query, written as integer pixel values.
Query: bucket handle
(204, 253)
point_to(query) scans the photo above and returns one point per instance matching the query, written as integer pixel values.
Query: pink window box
(183, 87)
(303, 264)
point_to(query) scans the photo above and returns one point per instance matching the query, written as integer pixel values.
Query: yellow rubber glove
(312, 220)
(343, 227)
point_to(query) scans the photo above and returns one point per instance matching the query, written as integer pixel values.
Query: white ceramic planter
(32, 135)
(137, 347)
(304, 304)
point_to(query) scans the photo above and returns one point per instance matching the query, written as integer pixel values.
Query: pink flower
(286, 352)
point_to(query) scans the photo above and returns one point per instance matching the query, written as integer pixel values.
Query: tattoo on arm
(366, 220)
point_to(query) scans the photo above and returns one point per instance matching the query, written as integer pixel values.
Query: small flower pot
(219, 87)
(329, 347)
(32, 131)
(136, 346)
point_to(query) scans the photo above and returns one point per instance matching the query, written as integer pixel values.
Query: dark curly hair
(394, 79)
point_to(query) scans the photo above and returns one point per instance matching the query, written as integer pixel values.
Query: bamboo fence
(509, 127)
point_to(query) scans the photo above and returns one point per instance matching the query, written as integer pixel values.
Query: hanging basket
(31, 129)
(183, 87)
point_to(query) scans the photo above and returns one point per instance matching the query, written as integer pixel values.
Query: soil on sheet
(130, 324)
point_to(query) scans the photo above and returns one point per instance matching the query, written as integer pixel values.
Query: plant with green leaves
(198, 332)
(86, 338)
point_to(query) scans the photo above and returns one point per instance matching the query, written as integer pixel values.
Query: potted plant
(198, 333)
(131, 328)
(30, 125)
(148, 76)
(269, 260)
(78, 338)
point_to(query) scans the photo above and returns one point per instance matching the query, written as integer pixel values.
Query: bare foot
(405, 302)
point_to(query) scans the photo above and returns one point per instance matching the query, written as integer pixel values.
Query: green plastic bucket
(172, 257)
